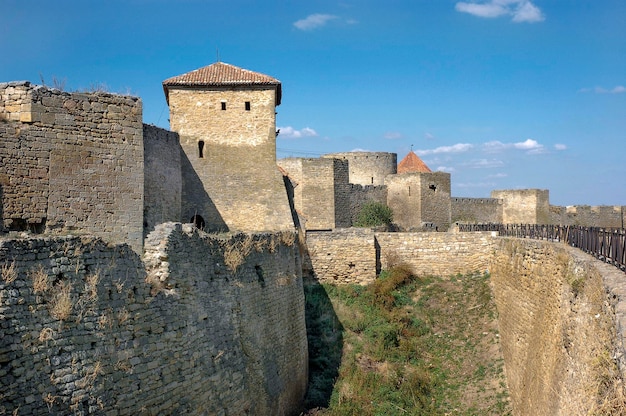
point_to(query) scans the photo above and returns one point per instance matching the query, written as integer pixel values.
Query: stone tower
(226, 119)
(419, 197)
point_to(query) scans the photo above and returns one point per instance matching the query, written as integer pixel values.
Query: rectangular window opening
(247, 105)
(223, 105)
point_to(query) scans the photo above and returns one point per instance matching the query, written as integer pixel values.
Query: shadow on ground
(325, 339)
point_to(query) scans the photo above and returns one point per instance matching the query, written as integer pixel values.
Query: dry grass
(40, 279)
(90, 374)
(123, 315)
(8, 272)
(61, 304)
(91, 286)
(49, 399)
(288, 238)
(236, 252)
(46, 335)
(104, 321)
(125, 366)
(613, 400)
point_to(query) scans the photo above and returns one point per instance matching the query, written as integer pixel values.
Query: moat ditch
(405, 345)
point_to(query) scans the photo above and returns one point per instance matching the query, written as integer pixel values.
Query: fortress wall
(15, 104)
(404, 199)
(162, 177)
(605, 216)
(435, 195)
(81, 332)
(524, 206)
(314, 191)
(74, 162)
(342, 256)
(476, 210)
(359, 195)
(342, 193)
(439, 254)
(357, 255)
(368, 168)
(557, 326)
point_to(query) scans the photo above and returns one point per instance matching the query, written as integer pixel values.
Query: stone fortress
(87, 162)
(167, 318)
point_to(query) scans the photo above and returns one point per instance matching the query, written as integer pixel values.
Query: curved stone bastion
(202, 325)
(562, 326)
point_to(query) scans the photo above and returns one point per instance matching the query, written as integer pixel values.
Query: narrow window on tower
(247, 105)
(223, 105)
(201, 149)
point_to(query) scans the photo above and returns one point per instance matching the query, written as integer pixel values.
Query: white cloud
(485, 163)
(429, 136)
(560, 146)
(619, 89)
(448, 169)
(456, 148)
(291, 133)
(520, 10)
(393, 135)
(498, 175)
(529, 145)
(527, 12)
(314, 21)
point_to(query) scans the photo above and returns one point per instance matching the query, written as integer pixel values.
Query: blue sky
(503, 94)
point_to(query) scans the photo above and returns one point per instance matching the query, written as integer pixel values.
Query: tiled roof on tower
(222, 74)
(412, 163)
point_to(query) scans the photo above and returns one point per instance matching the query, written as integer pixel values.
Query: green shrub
(374, 214)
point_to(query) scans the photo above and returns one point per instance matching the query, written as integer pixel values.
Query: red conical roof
(412, 163)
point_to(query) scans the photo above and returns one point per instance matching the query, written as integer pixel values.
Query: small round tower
(368, 168)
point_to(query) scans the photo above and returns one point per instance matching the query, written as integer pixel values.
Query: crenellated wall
(605, 216)
(203, 325)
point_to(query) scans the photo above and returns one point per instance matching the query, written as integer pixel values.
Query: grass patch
(407, 345)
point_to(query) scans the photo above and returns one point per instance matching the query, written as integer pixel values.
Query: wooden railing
(607, 244)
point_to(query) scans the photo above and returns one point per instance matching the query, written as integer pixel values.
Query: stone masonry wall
(359, 195)
(438, 254)
(83, 332)
(476, 210)
(557, 326)
(604, 216)
(435, 196)
(162, 177)
(341, 256)
(368, 168)
(524, 206)
(230, 177)
(72, 162)
(356, 256)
